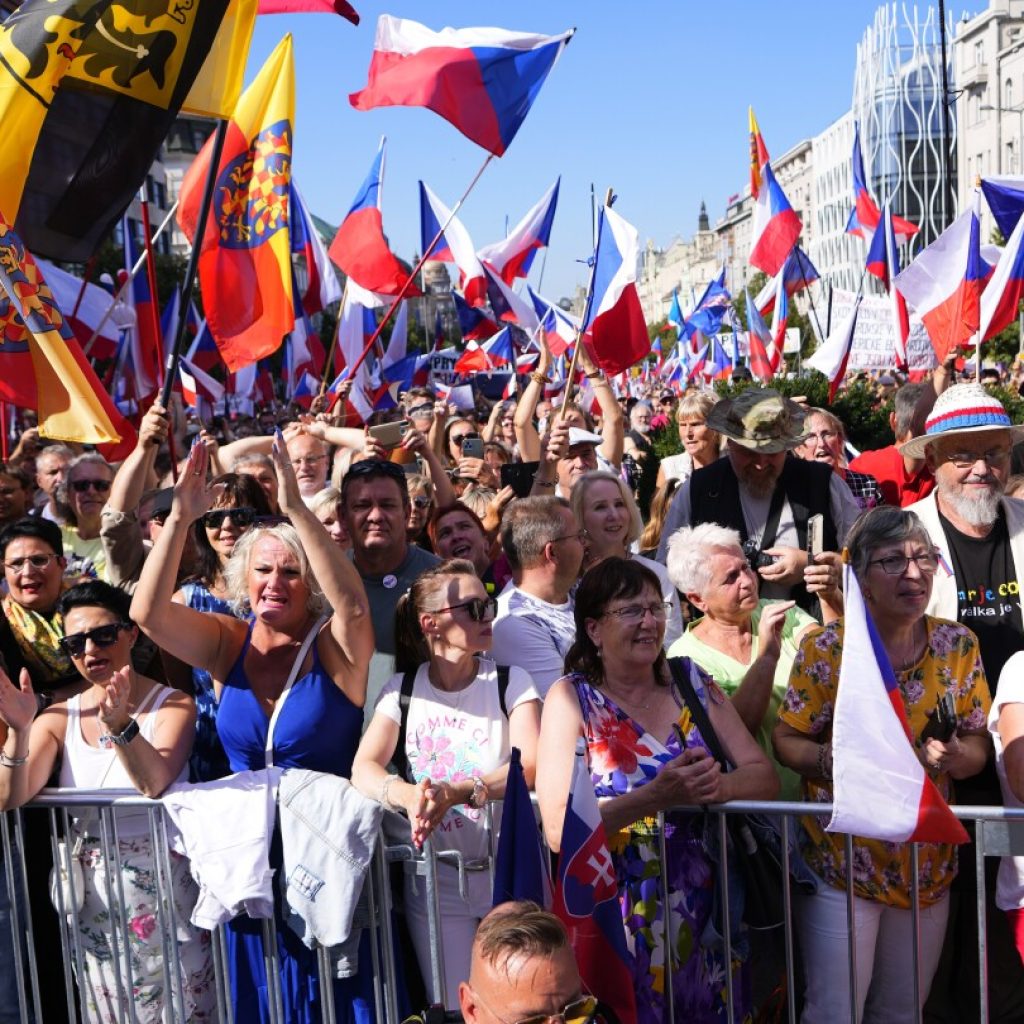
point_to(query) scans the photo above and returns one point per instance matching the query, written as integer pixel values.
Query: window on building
(1008, 94)
(979, 53)
(1011, 160)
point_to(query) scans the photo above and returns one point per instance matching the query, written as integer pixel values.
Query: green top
(729, 673)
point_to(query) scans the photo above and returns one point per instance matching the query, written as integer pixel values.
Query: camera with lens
(755, 556)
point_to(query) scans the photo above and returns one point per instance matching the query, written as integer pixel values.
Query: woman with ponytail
(447, 721)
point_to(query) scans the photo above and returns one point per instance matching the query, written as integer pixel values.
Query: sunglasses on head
(375, 467)
(101, 636)
(243, 517)
(479, 609)
(99, 486)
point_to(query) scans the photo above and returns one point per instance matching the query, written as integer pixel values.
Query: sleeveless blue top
(318, 727)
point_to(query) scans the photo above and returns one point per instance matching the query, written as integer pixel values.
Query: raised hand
(18, 707)
(112, 709)
(288, 494)
(769, 629)
(193, 495)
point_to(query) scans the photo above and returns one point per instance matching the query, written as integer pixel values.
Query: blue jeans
(9, 989)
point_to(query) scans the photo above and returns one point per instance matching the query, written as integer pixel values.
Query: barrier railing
(999, 832)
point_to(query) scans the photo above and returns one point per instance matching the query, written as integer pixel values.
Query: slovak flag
(776, 226)
(880, 788)
(865, 215)
(833, 355)
(360, 248)
(445, 238)
(1001, 297)
(513, 256)
(481, 80)
(884, 263)
(196, 385)
(759, 341)
(945, 281)
(587, 898)
(614, 320)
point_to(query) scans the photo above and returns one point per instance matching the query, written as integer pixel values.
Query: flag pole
(571, 373)
(415, 270)
(87, 347)
(334, 342)
(154, 300)
(814, 311)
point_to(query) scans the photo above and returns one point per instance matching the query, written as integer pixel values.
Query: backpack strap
(503, 688)
(398, 759)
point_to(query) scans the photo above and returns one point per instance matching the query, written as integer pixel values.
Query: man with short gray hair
(535, 628)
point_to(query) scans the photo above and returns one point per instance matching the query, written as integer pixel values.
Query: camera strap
(771, 525)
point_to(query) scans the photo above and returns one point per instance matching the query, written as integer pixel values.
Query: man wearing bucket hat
(766, 495)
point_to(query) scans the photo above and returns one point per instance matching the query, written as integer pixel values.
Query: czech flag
(197, 385)
(945, 281)
(884, 263)
(398, 343)
(560, 328)
(587, 898)
(880, 789)
(245, 267)
(1004, 194)
(360, 248)
(718, 365)
(711, 307)
(776, 226)
(797, 273)
(87, 305)
(1001, 298)
(474, 324)
(482, 80)
(759, 341)
(833, 355)
(779, 319)
(203, 351)
(147, 346)
(453, 245)
(492, 355)
(865, 215)
(614, 320)
(322, 284)
(513, 257)
(509, 306)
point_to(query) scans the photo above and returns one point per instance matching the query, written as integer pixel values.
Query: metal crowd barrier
(999, 832)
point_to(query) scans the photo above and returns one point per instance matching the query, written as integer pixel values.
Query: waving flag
(474, 324)
(346, 10)
(779, 320)
(87, 305)
(880, 788)
(884, 263)
(758, 156)
(508, 305)
(675, 316)
(1001, 298)
(360, 248)
(711, 307)
(245, 265)
(798, 273)
(776, 226)
(760, 342)
(614, 320)
(41, 364)
(513, 257)
(945, 281)
(482, 80)
(454, 246)
(196, 385)
(1004, 194)
(147, 347)
(586, 898)
(203, 351)
(832, 356)
(718, 365)
(560, 328)
(398, 343)
(865, 215)
(322, 284)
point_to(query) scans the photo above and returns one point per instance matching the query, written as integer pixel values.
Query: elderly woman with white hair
(611, 523)
(746, 644)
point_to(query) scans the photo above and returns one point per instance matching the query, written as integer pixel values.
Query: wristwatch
(122, 739)
(478, 797)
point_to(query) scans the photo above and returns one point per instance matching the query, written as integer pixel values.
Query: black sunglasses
(99, 486)
(101, 636)
(375, 467)
(480, 609)
(243, 517)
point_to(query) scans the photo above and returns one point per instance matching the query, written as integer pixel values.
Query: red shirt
(886, 466)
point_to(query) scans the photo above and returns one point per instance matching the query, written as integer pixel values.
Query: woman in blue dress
(283, 578)
(240, 502)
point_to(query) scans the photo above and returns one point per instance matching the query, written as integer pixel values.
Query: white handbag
(67, 879)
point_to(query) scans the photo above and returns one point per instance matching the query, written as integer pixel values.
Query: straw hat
(760, 419)
(961, 409)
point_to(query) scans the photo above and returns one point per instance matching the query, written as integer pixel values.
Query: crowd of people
(396, 609)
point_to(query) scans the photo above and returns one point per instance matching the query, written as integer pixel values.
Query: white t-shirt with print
(534, 634)
(450, 737)
(1010, 881)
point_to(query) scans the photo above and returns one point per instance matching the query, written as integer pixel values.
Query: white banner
(442, 365)
(873, 343)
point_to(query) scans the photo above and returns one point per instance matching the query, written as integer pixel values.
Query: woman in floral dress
(895, 562)
(646, 755)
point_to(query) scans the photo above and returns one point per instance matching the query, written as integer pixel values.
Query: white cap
(578, 436)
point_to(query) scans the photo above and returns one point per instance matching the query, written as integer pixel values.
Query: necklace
(909, 662)
(629, 701)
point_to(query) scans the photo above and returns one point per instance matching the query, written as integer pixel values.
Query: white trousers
(884, 945)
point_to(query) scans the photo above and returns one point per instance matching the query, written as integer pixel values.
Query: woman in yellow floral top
(895, 561)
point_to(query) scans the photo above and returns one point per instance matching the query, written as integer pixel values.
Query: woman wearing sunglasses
(462, 717)
(115, 729)
(284, 577)
(240, 501)
(80, 500)
(646, 753)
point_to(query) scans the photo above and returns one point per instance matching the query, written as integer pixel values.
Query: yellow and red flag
(758, 156)
(245, 270)
(41, 364)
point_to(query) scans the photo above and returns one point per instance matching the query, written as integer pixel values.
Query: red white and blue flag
(865, 215)
(614, 320)
(360, 248)
(880, 789)
(776, 226)
(718, 365)
(945, 282)
(759, 342)
(197, 386)
(493, 354)
(1004, 194)
(453, 246)
(884, 263)
(1001, 298)
(586, 898)
(833, 355)
(797, 273)
(398, 343)
(322, 284)
(146, 346)
(780, 316)
(474, 324)
(481, 80)
(560, 328)
(508, 305)
(513, 257)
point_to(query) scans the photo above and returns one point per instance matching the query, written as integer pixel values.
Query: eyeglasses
(634, 613)
(99, 486)
(101, 636)
(421, 411)
(825, 436)
(16, 565)
(243, 517)
(480, 609)
(581, 536)
(308, 460)
(993, 457)
(421, 502)
(579, 1011)
(896, 565)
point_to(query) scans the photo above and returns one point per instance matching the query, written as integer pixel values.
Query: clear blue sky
(649, 97)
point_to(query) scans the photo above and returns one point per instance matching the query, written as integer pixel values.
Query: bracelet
(385, 799)
(823, 773)
(12, 762)
(478, 798)
(539, 378)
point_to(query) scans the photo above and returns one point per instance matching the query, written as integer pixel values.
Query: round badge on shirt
(390, 581)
